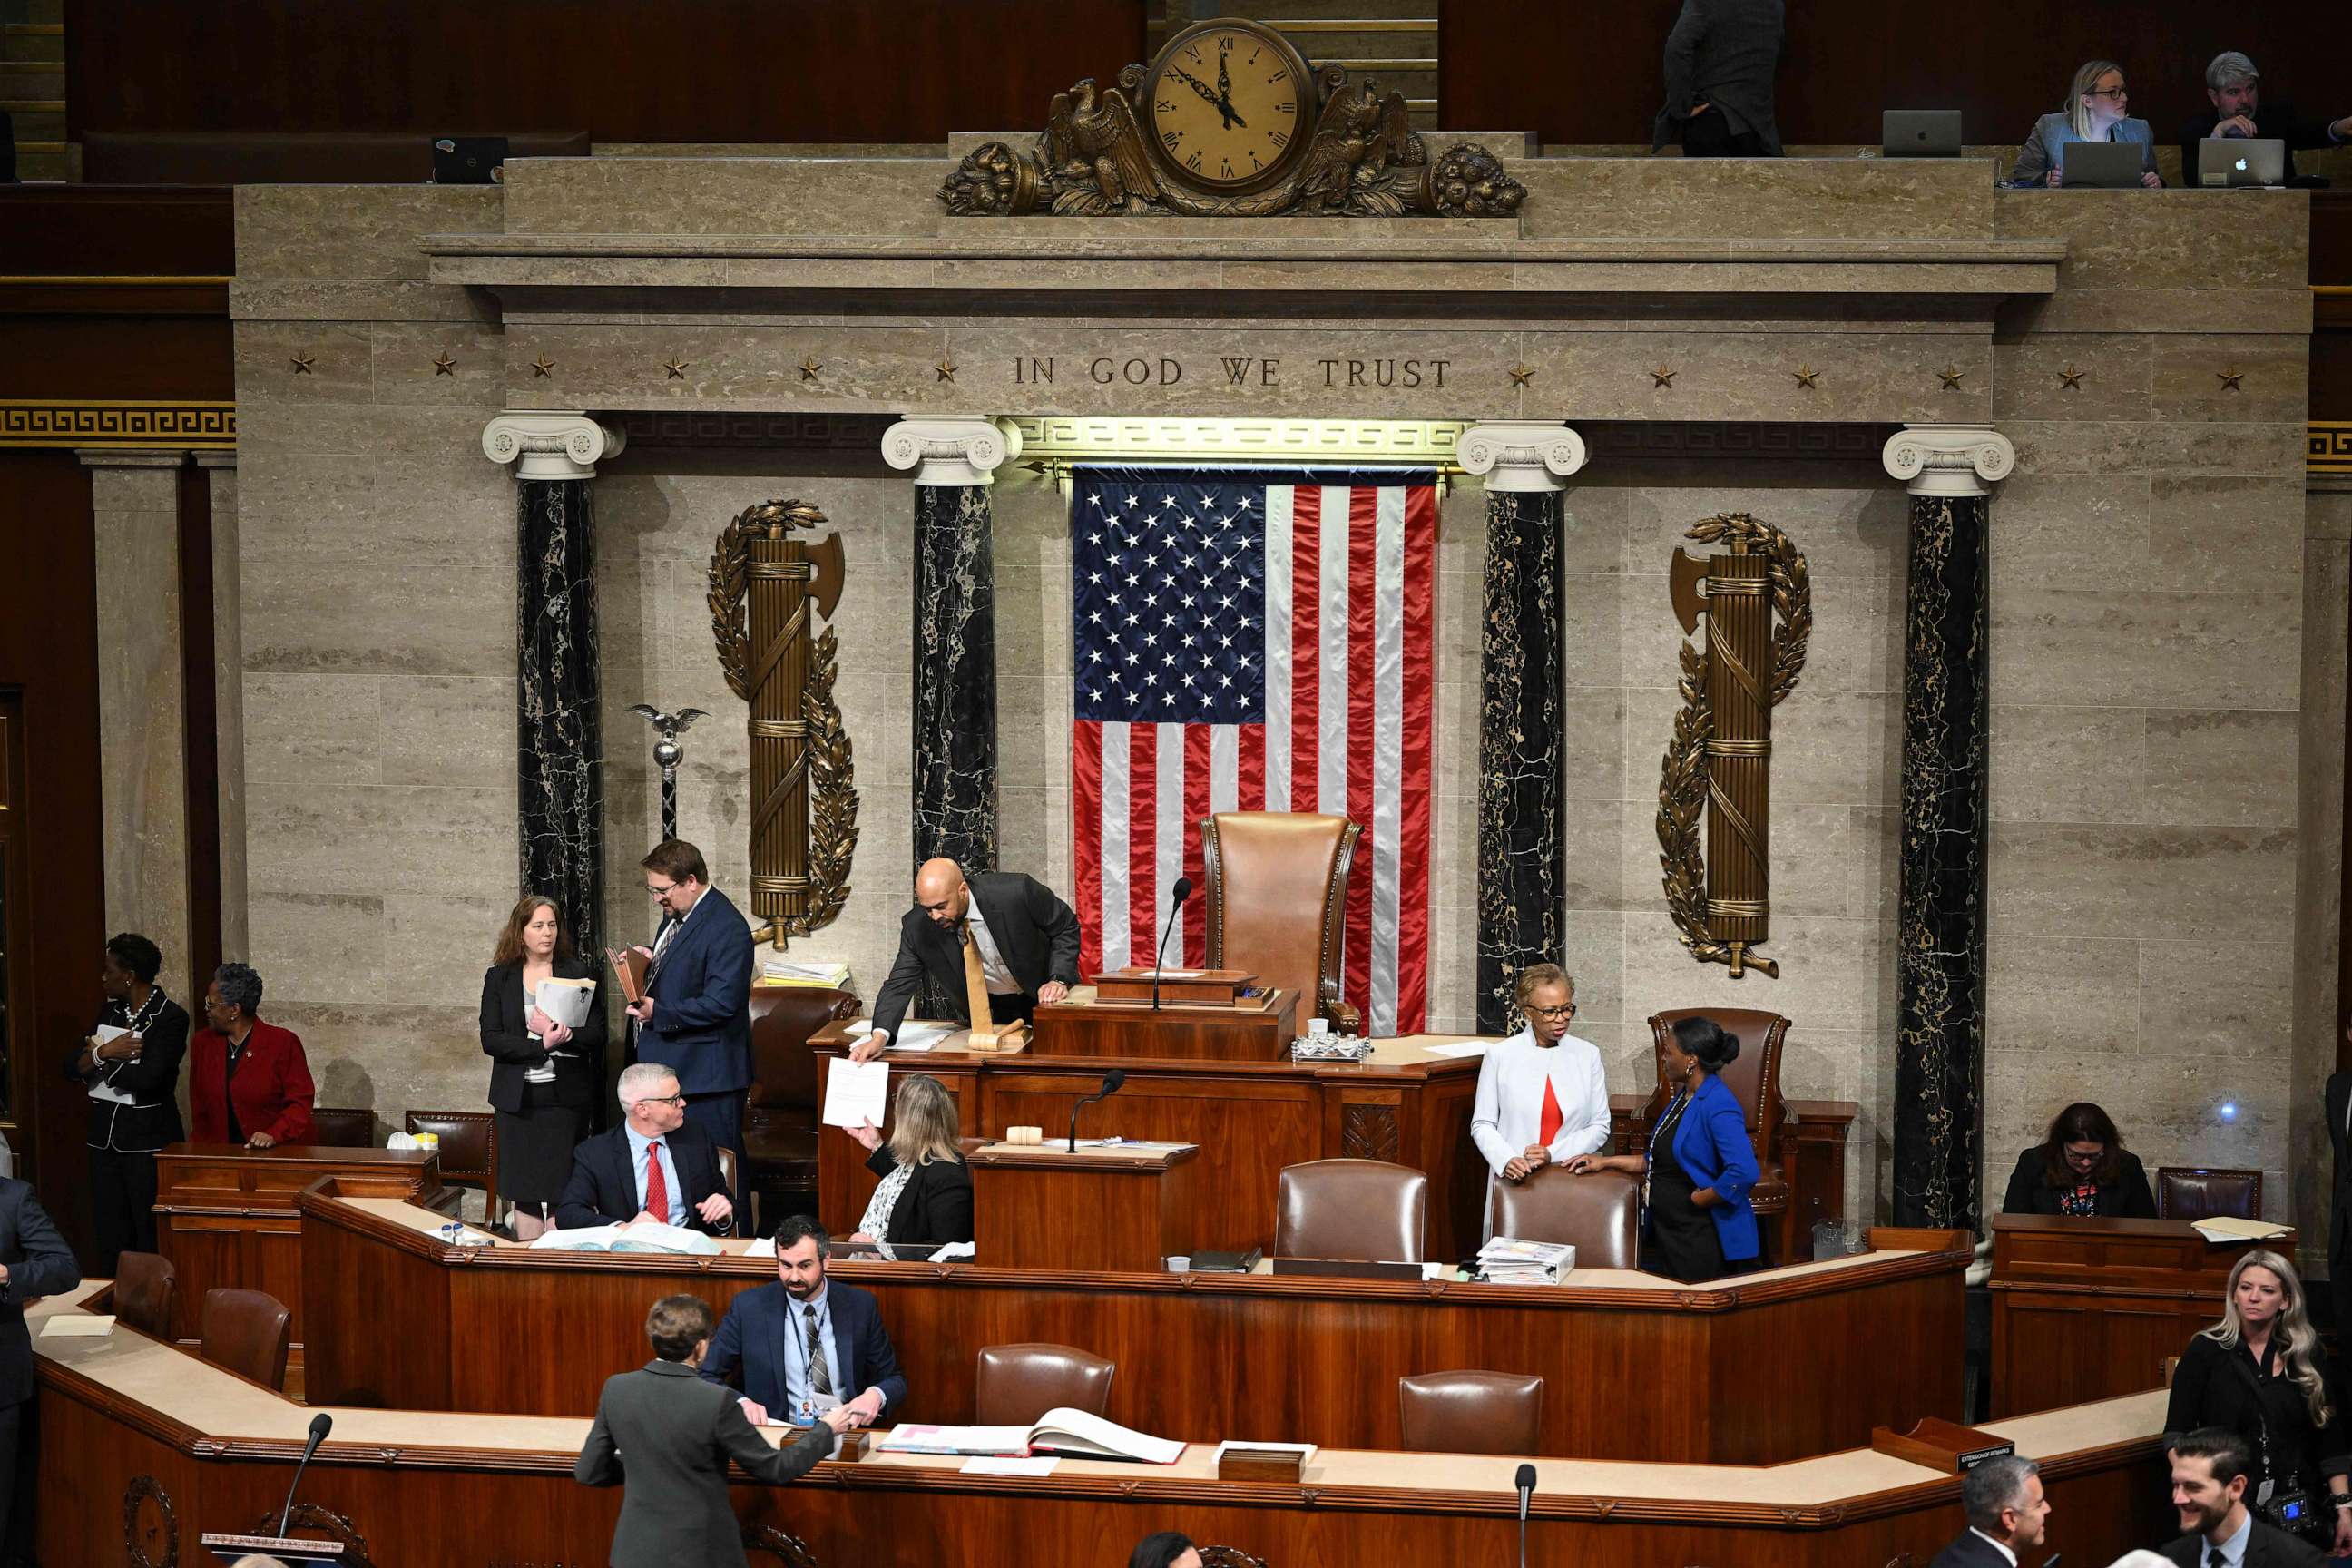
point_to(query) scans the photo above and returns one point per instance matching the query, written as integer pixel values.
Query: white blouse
(1509, 1107)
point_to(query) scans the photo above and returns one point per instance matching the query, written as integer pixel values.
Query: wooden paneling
(146, 230)
(1045, 1209)
(694, 71)
(1119, 1031)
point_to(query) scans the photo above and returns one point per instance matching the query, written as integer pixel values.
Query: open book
(637, 1236)
(1064, 1431)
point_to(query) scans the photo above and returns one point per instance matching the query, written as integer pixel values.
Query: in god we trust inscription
(1233, 371)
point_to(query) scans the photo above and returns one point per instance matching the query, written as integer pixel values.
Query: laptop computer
(2241, 161)
(2102, 165)
(1919, 133)
(469, 160)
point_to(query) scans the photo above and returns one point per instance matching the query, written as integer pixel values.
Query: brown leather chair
(727, 1173)
(469, 1145)
(1754, 1080)
(780, 1124)
(246, 1333)
(1471, 1412)
(142, 1292)
(1599, 1215)
(1278, 902)
(1018, 1383)
(1364, 1210)
(337, 1127)
(1227, 1557)
(2201, 1192)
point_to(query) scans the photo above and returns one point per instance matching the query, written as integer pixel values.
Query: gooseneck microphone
(1112, 1082)
(1526, 1481)
(320, 1424)
(1177, 895)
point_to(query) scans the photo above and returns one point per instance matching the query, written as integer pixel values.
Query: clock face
(1227, 105)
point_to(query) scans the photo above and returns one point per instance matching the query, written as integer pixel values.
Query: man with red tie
(656, 1166)
(1543, 1097)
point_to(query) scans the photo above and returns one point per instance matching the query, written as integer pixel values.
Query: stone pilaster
(1522, 836)
(1946, 828)
(228, 701)
(559, 744)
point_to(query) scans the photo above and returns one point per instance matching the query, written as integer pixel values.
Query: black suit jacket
(506, 1039)
(152, 1081)
(1035, 931)
(2268, 1547)
(603, 1186)
(1970, 1551)
(2128, 1197)
(934, 1207)
(1724, 53)
(2339, 1222)
(666, 1435)
(2276, 119)
(39, 1264)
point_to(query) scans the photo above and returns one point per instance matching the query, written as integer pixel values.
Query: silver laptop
(2102, 165)
(2241, 161)
(1919, 133)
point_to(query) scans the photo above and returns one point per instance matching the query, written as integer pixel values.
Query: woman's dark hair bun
(1707, 1043)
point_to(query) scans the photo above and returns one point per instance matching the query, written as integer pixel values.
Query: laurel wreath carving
(163, 1530)
(730, 581)
(833, 793)
(1682, 776)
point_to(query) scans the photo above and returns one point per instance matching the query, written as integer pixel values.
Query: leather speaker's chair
(2201, 1192)
(1227, 1557)
(1018, 1383)
(246, 1333)
(1471, 1412)
(1599, 1215)
(142, 1292)
(780, 1116)
(1754, 1081)
(336, 1127)
(1278, 902)
(1366, 1211)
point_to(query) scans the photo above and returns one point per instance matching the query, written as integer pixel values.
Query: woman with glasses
(1697, 1220)
(2096, 109)
(2082, 1168)
(1543, 1098)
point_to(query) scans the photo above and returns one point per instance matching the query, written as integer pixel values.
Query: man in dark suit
(2006, 1515)
(806, 1344)
(1027, 941)
(656, 1166)
(2209, 1488)
(2339, 1218)
(34, 1261)
(1721, 58)
(666, 1435)
(2234, 88)
(697, 1011)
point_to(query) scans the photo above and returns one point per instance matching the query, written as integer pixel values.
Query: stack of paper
(1506, 1260)
(2229, 1227)
(776, 969)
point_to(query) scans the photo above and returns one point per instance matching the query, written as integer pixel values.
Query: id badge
(2262, 1492)
(816, 1404)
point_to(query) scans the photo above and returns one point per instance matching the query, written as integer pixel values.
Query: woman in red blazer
(247, 1080)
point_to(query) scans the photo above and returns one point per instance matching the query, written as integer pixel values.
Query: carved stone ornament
(1510, 455)
(1949, 459)
(550, 446)
(763, 584)
(952, 452)
(150, 1525)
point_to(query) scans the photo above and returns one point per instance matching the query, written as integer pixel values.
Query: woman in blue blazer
(2094, 112)
(1699, 1168)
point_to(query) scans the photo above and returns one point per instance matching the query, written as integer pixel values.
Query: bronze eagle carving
(1101, 137)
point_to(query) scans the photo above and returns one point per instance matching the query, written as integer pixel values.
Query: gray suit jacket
(2053, 131)
(1724, 53)
(669, 1436)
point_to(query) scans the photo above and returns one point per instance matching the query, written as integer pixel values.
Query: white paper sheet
(1466, 1049)
(81, 1325)
(107, 1033)
(856, 1093)
(1043, 1466)
(913, 1034)
(565, 1001)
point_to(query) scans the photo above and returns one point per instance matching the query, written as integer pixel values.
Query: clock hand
(1225, 80)
(1196, 84)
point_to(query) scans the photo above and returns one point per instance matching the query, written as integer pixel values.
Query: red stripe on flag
(1363, 589)
(1197, 777)
(1142, 837)
(1415, 817)
(1249, 785)
(1085, 824)
(1305, 648)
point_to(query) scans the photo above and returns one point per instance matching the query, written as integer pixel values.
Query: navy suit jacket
(39, 1264)
(603, 1186)
(701, 1026)
(751, 1335)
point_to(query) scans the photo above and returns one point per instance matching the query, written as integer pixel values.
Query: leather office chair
(1366, 1211)
(727, 1175)
(246, 1333)
(1599, 1215)
(142, 1292)
(469, 1157)
(2199, 1191)
(779, 1116)
(1018, 1383)
(1471, 1412)
(1227, 1557)
(1754, 1081)
(1278, 902)
(337, 1127)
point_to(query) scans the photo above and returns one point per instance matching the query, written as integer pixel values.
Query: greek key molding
(550, 446)
(956, 452)
(1521, 455)
(94, 423)
(1949, 459)
(2328, 449)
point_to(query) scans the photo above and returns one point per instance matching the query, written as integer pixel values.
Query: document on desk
(912, 1036)
(79, 1325)
(985, 1467)
(856, 1093)
(1463, 1048)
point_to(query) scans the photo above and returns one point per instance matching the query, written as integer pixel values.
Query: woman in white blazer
(1543, 1097)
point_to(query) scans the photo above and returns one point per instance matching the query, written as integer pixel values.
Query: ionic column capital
(550, 446)
(1521, 455)
(963, 451)
(1949, 459)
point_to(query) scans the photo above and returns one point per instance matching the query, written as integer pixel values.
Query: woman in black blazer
(547, 1076)
(2082, 1168)
(133, 1081)
(925, 1192)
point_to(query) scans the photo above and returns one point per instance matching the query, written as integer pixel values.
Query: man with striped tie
(1542, 1097)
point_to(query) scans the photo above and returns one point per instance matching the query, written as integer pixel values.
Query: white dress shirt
(1510, 1109)
(993, 968)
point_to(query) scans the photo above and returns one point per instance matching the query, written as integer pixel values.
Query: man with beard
(2208, 1488)
(806, 1344)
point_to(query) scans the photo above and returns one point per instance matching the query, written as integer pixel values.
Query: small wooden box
(855, 1445)
(1940, 1445)
(1242, 1462)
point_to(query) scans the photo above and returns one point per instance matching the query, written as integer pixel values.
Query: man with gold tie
(1003, 929)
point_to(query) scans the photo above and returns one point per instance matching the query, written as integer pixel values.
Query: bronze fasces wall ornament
(1718, 759)
(763, 584)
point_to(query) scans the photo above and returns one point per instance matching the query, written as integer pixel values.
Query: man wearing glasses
(696, 1013)
(656, 1166)
(1543, 1097)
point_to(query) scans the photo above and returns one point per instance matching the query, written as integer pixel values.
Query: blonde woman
(925, 1197)
(2096, 109)
(2260, 1373)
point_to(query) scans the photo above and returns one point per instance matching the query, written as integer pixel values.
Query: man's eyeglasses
(673, 1099)
(1565, 1011)
(661, 892)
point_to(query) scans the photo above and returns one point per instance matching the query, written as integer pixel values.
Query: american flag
(1255, 639)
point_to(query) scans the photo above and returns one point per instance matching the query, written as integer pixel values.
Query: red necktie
(656, 1189)
(1548, 1128)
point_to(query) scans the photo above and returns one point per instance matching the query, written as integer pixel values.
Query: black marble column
(1521, 833)
(560, 738)
(1940, 931)
(955, 676)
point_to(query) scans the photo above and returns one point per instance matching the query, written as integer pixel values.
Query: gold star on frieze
(810, 366)
(2072, 379)
(1661, 376)
(543, 366)
(674, 369)
(1522, 374)
(302, 363)
(1806, 375)
(442, 364)
(1950, 376)
(947, 369)
(2229, 379)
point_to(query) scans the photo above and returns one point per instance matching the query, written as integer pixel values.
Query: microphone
(320, 1424)
(1177, 895)
(1526, 1481)
(1113, 1081)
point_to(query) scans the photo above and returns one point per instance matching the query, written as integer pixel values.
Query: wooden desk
(1768, 1368)
(2086, 1309)
(1086, 1209)
(1259, 1030)
(133, 1427)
